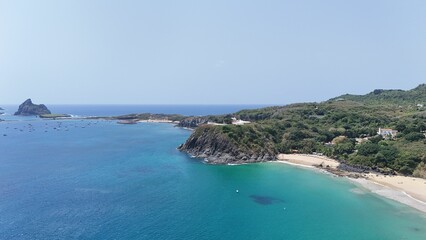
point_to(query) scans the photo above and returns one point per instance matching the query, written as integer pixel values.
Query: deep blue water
(81, 179)
(114, 110)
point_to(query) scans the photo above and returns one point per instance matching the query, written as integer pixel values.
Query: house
(387, 132)
(239, 121)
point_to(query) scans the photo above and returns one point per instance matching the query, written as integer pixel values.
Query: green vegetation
(344, 128)
(420, 171)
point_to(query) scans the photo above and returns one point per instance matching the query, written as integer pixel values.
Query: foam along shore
(407, 190)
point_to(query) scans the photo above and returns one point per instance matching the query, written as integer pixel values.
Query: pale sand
(309, 160)
(415, 187)
(157, 121)
(390, 192)
(407, 190)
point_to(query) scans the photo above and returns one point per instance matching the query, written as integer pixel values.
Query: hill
(396, 97)
(345, 128)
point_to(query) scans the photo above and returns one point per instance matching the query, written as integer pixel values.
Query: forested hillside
(344, 128)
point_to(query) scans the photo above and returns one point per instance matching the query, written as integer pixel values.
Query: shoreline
(409, 191)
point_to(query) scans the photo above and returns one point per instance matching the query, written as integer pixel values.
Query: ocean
(115, 110)
(95, 179)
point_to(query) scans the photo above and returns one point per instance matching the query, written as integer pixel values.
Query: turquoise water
(101, 180)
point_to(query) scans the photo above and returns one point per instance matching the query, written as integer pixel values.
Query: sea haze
(87, 179)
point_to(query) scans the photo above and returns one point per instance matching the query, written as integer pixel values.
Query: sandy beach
(156, 121)
(309, 160)
(407, 190)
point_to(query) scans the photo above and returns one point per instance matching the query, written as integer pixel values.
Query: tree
(368, 148)
(414, 136)
(376, 139)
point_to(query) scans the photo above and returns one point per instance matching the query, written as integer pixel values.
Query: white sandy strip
(157, 121)
(391, 193)
(308, 160)
(415, 187)
(407, 190)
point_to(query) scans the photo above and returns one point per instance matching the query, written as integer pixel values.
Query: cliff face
(192, 122)
(217, 148)
(28, 108)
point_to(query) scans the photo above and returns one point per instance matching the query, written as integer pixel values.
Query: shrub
(368, 148)
(414, 136)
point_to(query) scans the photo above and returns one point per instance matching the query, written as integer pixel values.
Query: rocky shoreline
(215, 148)
(192, 122)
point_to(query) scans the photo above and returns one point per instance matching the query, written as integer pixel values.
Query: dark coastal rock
(350, 168)
(364, 169)
(217, 148)
(192, 122)
(28, 108)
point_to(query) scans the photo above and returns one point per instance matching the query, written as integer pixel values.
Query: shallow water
(101, 180)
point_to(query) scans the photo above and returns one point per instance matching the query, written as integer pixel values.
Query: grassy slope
(306, 127)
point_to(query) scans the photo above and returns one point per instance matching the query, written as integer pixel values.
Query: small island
(28, 108)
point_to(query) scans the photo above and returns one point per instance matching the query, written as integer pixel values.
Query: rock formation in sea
(28, 108)
(217, 148)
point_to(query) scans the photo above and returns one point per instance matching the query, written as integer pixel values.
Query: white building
(387, 132)
(239, 121)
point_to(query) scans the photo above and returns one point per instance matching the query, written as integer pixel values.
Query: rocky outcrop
(28, 108)
(192, 122)
(215, 147)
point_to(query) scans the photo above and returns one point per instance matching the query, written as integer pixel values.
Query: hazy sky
(208, 52)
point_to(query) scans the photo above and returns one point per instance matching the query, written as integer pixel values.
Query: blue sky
(207, 52)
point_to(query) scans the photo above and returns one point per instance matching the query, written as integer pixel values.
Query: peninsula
(377, 140)
(383, 131)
